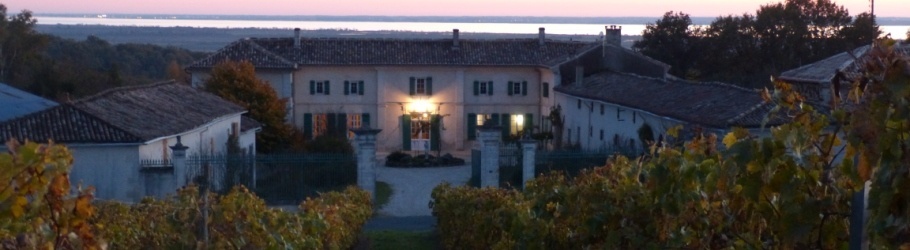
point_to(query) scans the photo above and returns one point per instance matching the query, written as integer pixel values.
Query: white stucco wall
(209, 139)
(112, 170)
(590, 122)
(452, 97)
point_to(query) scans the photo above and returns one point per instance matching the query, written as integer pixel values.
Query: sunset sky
(585, 8)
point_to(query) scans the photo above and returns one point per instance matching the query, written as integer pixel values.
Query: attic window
(619, 114)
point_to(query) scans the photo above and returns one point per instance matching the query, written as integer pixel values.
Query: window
(421, 86)
(579, 104)
(482, 118)
(477, 120)
(619, 114)
(518, 88)
(601, 109)
(518, 124)
(319, 87)
(483, 88)
(354, 121)
(353, 88)
(546, 89)
(320, 124)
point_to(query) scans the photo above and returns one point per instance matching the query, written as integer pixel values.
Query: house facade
(423, 94)
(616, 110)
(120, 139)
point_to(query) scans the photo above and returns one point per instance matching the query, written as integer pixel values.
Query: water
(897, 31)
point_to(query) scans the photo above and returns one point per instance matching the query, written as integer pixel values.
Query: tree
(746, 49)
(18, 42)
(237, 82)
(669, 40)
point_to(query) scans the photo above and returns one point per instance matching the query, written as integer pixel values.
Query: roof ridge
(124, 88)
(218, 52)
(258, 47)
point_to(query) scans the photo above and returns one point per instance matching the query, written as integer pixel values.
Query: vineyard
(789, 189)
(38, 210)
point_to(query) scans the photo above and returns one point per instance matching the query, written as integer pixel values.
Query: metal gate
(475, 168)
(510, 160)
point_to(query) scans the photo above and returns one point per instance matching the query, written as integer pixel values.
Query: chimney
(579, 74)
(455, 39)
(541, 37)
(613, 35)
(296, 38)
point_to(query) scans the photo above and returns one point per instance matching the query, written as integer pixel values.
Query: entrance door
(420, 132)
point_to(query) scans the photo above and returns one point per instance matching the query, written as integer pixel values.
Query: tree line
(746, 49)
(60, 69)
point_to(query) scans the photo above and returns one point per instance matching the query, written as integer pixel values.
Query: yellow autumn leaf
(729, 140)
(674, 131)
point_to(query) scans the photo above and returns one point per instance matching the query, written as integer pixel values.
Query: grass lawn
(408, 240)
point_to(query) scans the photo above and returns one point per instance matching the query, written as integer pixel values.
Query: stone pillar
(488, 138)
(528, 148)
(365, 146)
(178, 153)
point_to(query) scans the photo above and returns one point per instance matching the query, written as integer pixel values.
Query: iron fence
(278, 179)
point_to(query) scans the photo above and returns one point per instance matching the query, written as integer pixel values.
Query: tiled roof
(157, 110)
(18, 103)
(714, 105)
(64, 124)
(280, 53)
(822, 72)
(132, 114)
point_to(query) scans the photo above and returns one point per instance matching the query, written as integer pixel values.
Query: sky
(571, 8)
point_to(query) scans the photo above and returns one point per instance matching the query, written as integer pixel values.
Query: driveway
(411, 187)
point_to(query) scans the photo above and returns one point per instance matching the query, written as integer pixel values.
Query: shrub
(237, 220)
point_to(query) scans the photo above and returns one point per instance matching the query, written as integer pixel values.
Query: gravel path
(411, 187)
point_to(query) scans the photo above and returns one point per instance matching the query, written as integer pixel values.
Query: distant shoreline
(212, 39)
(699, 20)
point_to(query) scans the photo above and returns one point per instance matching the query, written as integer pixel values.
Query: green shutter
(506, 125)
(360, 87)
(312, 87)
(347, 88)
(435, 122)
(490, 88)
(494, 120)
(511, 88)
(546, 89)
(476, 87)
(406, 132)
(327, 87)
(331, 128)
(472, 126)
(529, 122)
(429, 85)
(342, 124)
(308, 125)
(413, 86)
(365, 120)
(524, 88)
